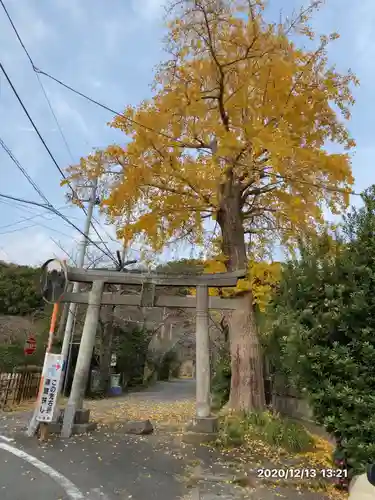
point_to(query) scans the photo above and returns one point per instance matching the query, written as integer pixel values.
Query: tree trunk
(247, 384)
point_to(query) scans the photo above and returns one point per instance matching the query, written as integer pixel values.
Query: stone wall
(292, 406)
(287, 400)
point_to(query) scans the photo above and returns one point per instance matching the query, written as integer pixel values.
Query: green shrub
(288, 435)
(131, 354)
(221, 380)
(12, 356)
(323, 333)
(168, 366)
(233, 430)
(19, 289)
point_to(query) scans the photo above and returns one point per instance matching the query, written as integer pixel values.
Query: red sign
(30, 346)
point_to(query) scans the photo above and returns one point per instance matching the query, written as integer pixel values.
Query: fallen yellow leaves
(321, 457)
(253, 452)
(134, 408)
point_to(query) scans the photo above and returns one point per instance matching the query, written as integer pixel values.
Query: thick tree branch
(220, 97)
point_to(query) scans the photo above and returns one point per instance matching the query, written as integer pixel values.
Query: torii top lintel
(161, 279)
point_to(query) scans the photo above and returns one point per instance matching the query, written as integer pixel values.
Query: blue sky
(108, 50)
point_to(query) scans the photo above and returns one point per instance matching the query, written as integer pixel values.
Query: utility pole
(80, 263)
(33, 425)
(84, 357)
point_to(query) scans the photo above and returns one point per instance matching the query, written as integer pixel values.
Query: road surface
(107, 465)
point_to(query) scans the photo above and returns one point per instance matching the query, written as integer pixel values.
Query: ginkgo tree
(236, 132)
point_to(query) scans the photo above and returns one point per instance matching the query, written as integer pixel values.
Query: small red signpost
(30, 346)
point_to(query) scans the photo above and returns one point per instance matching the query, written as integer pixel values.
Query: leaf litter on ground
(254, 452)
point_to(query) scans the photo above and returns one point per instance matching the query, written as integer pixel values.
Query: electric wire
(134, 122)
(39, 80)
(52, 157)
(53, 114)
(26, 219)
(59, 214)
(10, 231)
(24, 172)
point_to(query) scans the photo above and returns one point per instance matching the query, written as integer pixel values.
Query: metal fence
(16, 388)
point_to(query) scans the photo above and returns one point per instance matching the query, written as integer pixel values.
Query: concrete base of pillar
(197, 438)
(55, 428)
(204, 424)
(81, 416)
(201, 430)
(81, 425)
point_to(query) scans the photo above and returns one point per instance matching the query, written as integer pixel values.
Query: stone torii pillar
(204, 426)
(203, 376)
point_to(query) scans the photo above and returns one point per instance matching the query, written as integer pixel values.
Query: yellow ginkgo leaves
(270, 107)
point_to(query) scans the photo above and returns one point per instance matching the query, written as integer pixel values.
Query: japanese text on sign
(52, 371)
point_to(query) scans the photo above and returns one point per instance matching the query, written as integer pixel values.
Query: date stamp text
(301, 473)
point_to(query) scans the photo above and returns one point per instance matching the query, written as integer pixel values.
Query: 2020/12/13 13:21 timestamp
(302, 473)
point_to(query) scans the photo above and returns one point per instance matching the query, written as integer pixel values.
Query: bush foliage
(221, 379)
(323, 332)
(19, 292)
(132, 354)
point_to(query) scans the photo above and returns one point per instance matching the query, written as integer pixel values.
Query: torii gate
(204, 423)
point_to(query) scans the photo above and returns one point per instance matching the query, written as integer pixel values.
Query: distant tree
(19, 294)
(182, 266)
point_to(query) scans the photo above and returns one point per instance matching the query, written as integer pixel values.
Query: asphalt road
(107, 465)
(110, 465)
(20, 480)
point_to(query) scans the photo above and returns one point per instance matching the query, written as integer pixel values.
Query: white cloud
(67, 113)
(149, 10)
(29, 247)
(96, 83)
(364, 20)
(30, 25)
(75, 11)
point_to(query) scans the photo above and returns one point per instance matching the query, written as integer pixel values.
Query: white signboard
(52, 371)
(114, 359)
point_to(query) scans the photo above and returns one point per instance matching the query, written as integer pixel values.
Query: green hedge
(322, 333)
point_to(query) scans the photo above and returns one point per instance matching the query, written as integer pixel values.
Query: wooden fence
(16, 388)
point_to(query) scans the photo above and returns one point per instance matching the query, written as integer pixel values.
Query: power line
(19, 206)
(107, 108)
(26, 219)
(39, 80)
(10, 231)
(54, 115)
(61, 215)
(24, 172)
(31, 120)
(135, 122)
(51, 155)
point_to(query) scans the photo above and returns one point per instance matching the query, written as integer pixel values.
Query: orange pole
(52, 327)
(51, 333)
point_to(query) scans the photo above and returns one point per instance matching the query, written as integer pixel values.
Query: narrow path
(176, 390)
(165, 403)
